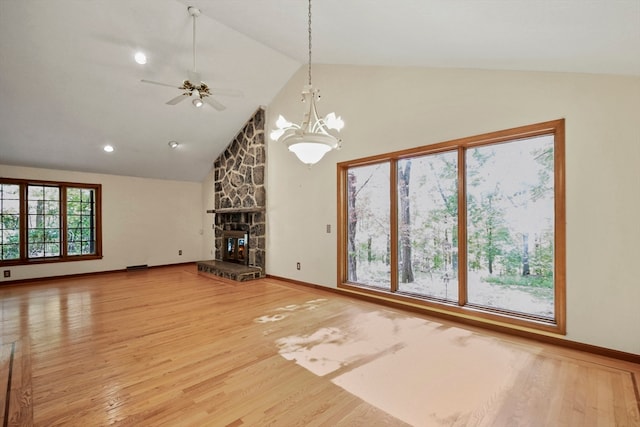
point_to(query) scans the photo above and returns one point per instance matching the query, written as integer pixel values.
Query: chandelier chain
(309, 42)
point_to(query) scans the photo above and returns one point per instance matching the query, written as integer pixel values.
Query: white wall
(144, 221)
(387, 109)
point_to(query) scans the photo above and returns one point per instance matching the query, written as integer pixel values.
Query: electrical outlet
(180, 252)
(298, 266)
(7, 273)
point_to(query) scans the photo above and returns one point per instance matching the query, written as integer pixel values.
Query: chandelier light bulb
(276, 134)
(334, 122)
(282, 122)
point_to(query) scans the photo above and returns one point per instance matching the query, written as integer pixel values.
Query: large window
(470, 226)
(48, 221)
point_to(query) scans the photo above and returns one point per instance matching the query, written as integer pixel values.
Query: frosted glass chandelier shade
(309, 153)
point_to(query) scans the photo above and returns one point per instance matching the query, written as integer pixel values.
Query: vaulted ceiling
(69, 85)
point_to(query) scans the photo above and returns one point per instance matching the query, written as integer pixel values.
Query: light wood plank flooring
(168, 347)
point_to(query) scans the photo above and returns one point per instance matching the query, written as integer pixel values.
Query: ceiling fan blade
(227, 92)
(178, 98)
(195, 77)
(160, 84)
(215, 104)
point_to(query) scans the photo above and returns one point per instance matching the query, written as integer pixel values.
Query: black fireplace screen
(236, 246)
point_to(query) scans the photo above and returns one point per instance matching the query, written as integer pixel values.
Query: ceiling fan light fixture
(197, 102)
(174, 144)
(314, 137)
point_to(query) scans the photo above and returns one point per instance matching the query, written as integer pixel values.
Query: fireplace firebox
(235, 246)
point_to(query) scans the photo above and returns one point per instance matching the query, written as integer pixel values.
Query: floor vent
(137, 267)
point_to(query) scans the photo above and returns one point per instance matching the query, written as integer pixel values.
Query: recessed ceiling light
(108, 148)
(173, 144)
(140, 58)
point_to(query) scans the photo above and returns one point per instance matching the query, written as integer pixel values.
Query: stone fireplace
(240, 202)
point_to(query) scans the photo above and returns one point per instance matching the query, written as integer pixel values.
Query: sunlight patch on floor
(448, 374)
(288, 309)
(329, 349)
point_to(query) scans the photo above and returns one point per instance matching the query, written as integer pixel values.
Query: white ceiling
(69, 85)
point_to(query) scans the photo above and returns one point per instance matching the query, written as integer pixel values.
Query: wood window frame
(63, 257)
(462, 309)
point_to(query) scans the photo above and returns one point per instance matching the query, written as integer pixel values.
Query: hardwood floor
(169, 347)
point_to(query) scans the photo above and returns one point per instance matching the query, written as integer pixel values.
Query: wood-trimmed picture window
(474, 226)
(44, 221)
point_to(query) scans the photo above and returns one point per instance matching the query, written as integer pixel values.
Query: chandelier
(313, 138)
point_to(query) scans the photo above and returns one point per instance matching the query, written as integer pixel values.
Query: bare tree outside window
(368, 229)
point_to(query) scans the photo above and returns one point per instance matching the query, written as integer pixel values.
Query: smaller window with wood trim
(43, 221)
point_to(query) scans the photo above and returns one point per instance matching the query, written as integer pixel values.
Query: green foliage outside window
(50, 209)
(9, 221)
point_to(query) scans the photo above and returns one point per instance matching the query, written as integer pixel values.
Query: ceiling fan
(194, 86)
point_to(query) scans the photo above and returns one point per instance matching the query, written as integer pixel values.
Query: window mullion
(92, 238)
(393, 215)
(462, 228)
(23, 221)
(63, 221)
(560, 221)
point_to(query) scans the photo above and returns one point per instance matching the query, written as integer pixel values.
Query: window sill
(452, 311)
(52, 260)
